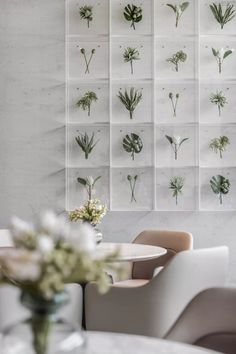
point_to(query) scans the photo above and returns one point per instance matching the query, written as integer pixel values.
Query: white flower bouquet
(91, 212)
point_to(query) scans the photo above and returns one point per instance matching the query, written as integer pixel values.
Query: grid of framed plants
(151, 104)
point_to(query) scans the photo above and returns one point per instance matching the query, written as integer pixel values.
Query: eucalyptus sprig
(132, 182)
(178, 57)
(89, 184)
(176, 185)
(86, 13)
(220, 55)
(174, 102)
(87, 61)
(220, 186)
(85, 102)
(130, 99)
(86, 143)
(178, 10)
(133, 14)
(223, 17)
(176, 142)
(131, 54)
(219, 100)
(219, 144)
(132, 144)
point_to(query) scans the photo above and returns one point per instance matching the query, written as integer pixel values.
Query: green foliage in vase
(132, 144)
(130, 99)
(178, 10)
(174, 102)
(89, 184)
(223, 16)
(85, 102)
(86, 13)
(175, 142)
(86, 143)
(219, 144)
(131, 54)
(220, 186)
(219, 100)
(132, 182)
(176, 186)
(220, 55)
(133, 14)
(178, 57)
(87, 61)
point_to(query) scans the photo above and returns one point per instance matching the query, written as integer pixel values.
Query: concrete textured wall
(32, 136)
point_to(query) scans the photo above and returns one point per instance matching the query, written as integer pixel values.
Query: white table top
(109, 343)
(131, 251)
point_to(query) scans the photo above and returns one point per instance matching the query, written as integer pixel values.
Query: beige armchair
(153, 308)
(209, 321)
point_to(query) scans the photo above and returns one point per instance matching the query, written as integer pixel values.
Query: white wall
(32, 64)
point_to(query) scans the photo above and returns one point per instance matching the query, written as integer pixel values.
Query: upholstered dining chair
(11, 311)
(209, 321)
(152, 308)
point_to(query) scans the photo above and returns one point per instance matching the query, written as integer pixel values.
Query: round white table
(110, 343)
(130, 252)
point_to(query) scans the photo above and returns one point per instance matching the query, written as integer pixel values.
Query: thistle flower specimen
(89, 184)
(132, 182)
(219, 144)
(177, 58)
(86, 143)
(131, 54)
(130, 100)
(133, 14)
(87, 61)
(175, 142)
(223, 16)
(176, 185)
(132, 144)
(220, 186)
(86, 101)
(174, 102)
(86, 13)
(220, 55)
(219, 100)
(178, 10)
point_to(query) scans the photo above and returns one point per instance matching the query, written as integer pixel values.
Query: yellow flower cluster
(92, 211)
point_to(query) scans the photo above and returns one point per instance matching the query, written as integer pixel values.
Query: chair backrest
(209, 321)
(173, 241)
(188, 273)
(12, 312)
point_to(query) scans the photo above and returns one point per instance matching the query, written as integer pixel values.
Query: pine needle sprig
(85, 102)
(131, 54)
(86, 13)
(219, 100)
(219, 144)
(130, 99)
(176, 185)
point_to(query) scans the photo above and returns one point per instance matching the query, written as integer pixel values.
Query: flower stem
(176, 67)
(220, 66)
(41, 327)
(131, 65)
(219, 110)
(91, 56)
(176, 199)
(87, 69)
(221, 199)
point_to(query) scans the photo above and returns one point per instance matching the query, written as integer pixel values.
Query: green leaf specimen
(178, 10)
(220, 186)
(131, 54)
(86, 101)
(176, 185)
(86, 143)
(89, 184)
(176, 58)
(220, 55)
(87, 61)
(175, 142)
(219, 144)
(174, 102)
(130, 99)
(132, 144)
(86, 13)
(132, 182)
(221, 16)
(133, 14)
(219, 100)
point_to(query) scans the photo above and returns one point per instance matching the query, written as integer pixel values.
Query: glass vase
(44, 332)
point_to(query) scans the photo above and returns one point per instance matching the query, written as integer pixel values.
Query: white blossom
(45, 244)
(19, 227)
(83, 238)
